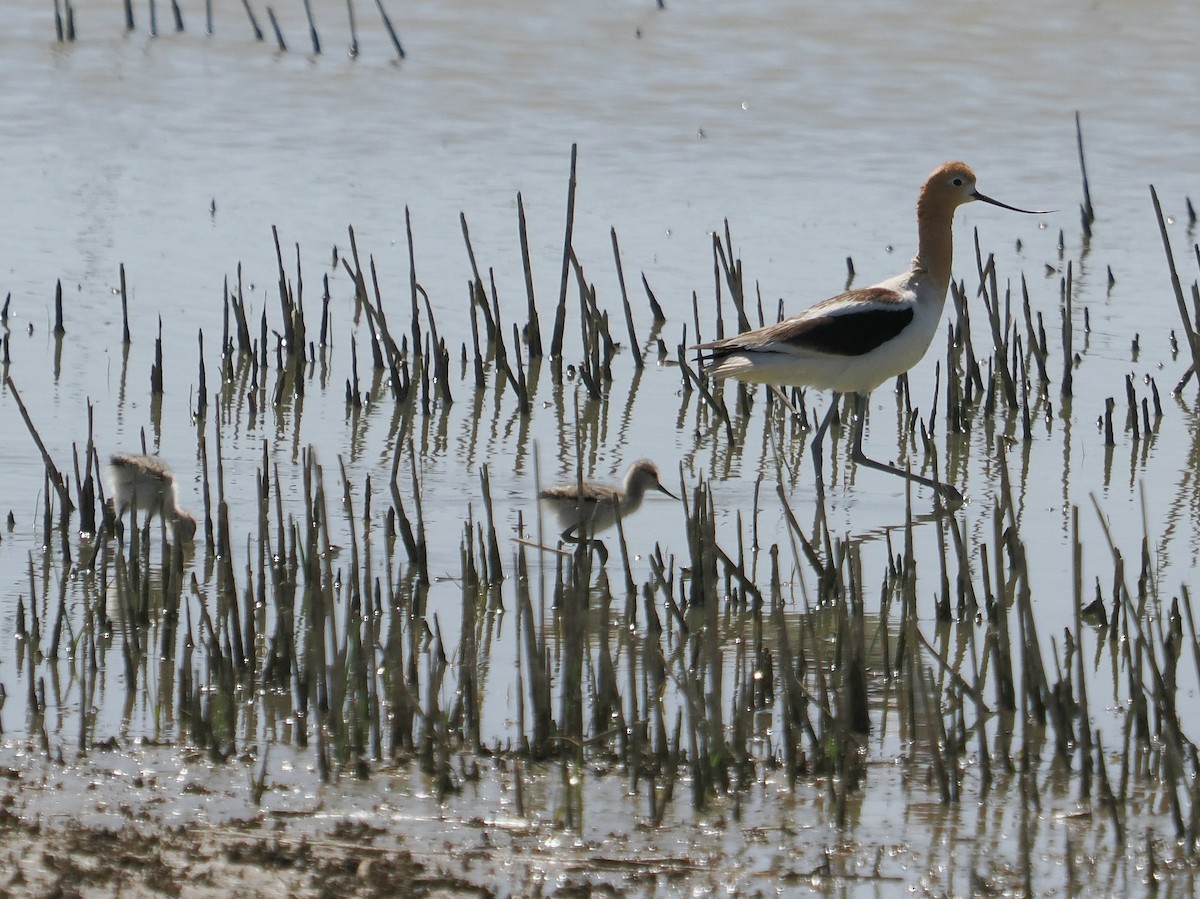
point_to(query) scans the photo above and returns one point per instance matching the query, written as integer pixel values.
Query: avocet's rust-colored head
(952, 184)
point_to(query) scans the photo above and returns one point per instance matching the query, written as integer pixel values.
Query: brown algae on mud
(127, 833)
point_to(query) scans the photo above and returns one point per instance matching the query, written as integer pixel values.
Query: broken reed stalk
(1068, 379)
(501, 349)
(353, 29)
(1188, 329)
(522, 386)
(156, 369)
(599, 347)
(59, 330)
(412, 281)
(382, 342)
(125, 339)
(533, 333)
(279, 42)
(655, 309)
(495, 567)
(590, 364)
(258, 32)
(480, 376)
(713, 401)
(478, 296)
(991, 300)
(962, 338)
(202, 388)
(56, 479)
(560, 316)
(238, 302)
(387, 23)
(312, 28)
(1035, 347)
(441, 360)
(86, 488)
(1089, 214)
(717, 304)
(634, 348)
(287, 302)
(415, 542)
(325, 339)
(731, 268)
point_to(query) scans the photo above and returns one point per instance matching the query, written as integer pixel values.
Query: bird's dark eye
(958, 182)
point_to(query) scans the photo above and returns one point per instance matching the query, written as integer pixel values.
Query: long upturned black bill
(986, 199)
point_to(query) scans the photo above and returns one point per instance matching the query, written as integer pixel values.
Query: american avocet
(583, 514)
(148, 485)
(853, 342)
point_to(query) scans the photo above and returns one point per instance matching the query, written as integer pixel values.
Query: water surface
(809, 131)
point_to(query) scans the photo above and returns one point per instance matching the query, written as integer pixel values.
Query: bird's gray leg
(946, 491)
(572, 535)
(818, 452)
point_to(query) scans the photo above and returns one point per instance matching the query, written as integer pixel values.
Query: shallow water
(808, 131)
